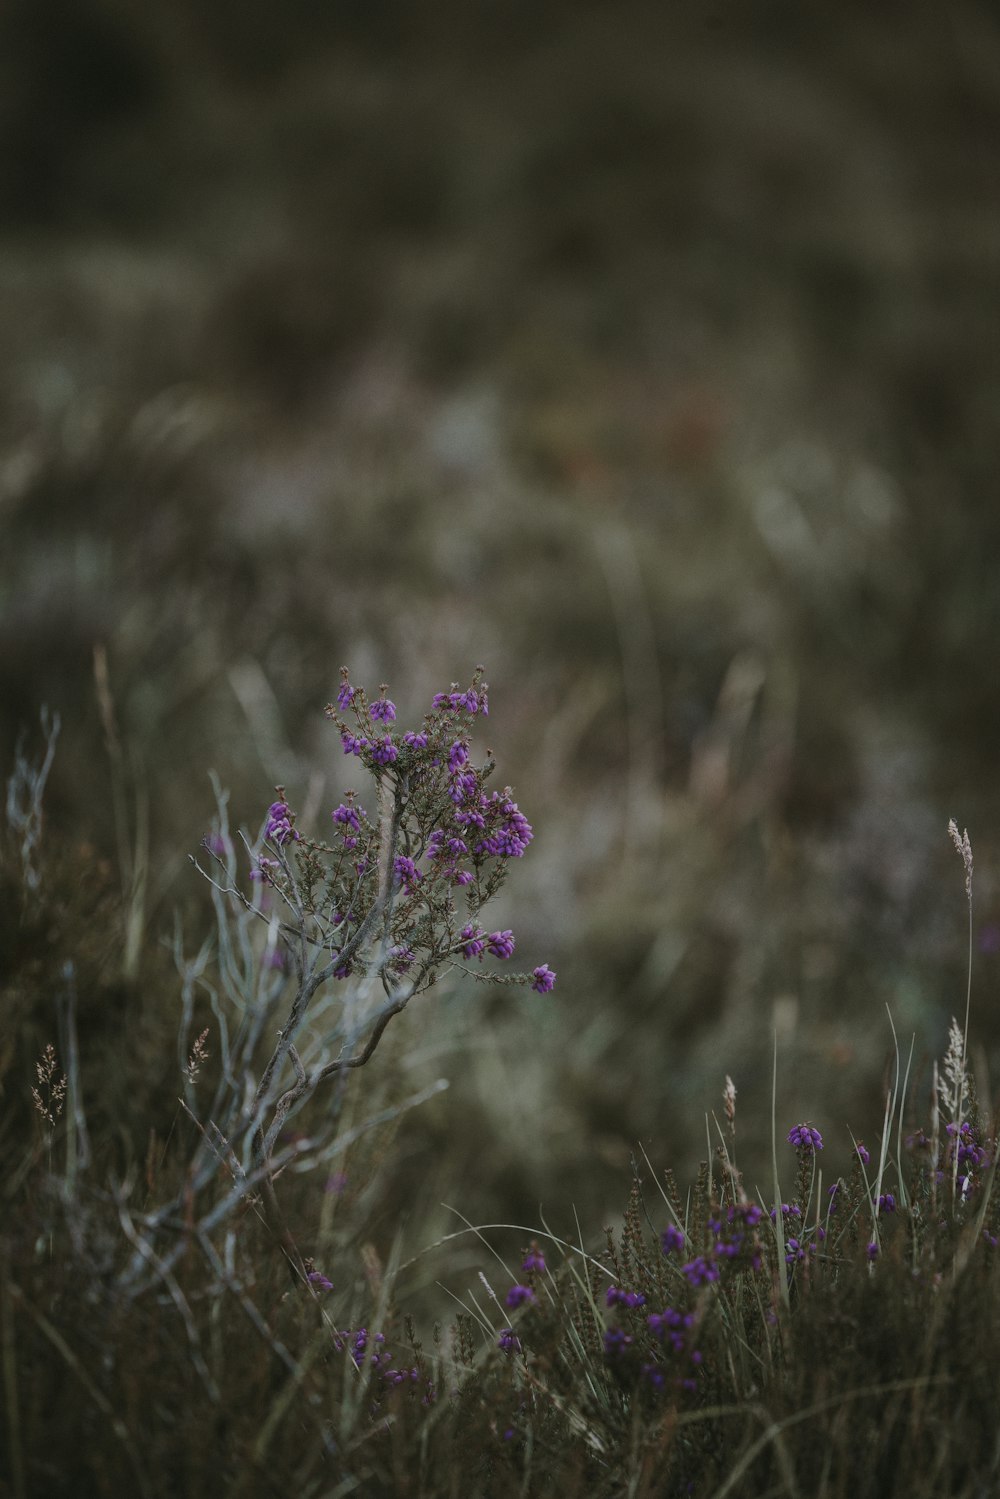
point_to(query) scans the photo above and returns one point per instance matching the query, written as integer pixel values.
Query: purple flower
(415, 741)
(264, 869)
(872, 1250)
(501, 944)
(353, 745)
(457, 756)
(544, 979)
(279, 828)
(519, 1296)
(406, 872)
(401, 957)
(508, 1342)
(345, 696)
(887, 1203)
(384, 709)
(533, 1260)
(672, 1238)
(616, 1342)
(670, 1326)
(805, 1137)
(473, 942)
(349, 816)
(863, 1155)
(320, 1281)
(631, 1299)
(384, 752)
(699, 1271)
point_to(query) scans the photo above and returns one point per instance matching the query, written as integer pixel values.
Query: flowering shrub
(393, 897)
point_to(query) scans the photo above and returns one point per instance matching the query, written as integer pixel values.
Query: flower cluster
(386, 1371)
(804, 1137)
(279, 827)
(734, 1244)
(443, 838)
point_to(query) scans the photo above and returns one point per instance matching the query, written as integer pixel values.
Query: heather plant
(830, 1336)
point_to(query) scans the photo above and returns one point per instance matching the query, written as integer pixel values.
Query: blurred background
(647, 354)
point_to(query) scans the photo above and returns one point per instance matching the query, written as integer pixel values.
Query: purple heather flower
(406, 872)
(415, 740)
(788, 1210)
(519, 1296)
(349, 816)
(510, 1343)
(345, 696)
(473, 942)
(279, 828)
(384, 709)
(805, 1137)
(401, 957)
(672, 1238)
(654, 1375)
(544, 979)
(631, 1299)
(353, 745)
(699, 1271)
(384, 752)
(457, 756)
(872, 1250)
(320, 1281)
(264, 868)
(887, 1203)
(670, 1326)
(616, 1342)
(501, 944)
(533, 1260)
(463, 786)
(463, 877)
(863, 1155)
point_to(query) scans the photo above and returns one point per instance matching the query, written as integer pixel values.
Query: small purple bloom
(872, 1250)
(631, 1299)
(473, 942)
(353, 745)
(699, 1271)
(519, 1296)
(384, 752)
(887, 1203)
(544, 979)
(457, 756)
(616, 1342)
(534, 1260)
(320, 1281)
(415, 740)
(349, 816)
(805, 1137)
(863, 1155)
(672, 1238)
(406, 872)
(501, 944)
(510, 1343)
(384, 709)
(345, 696)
